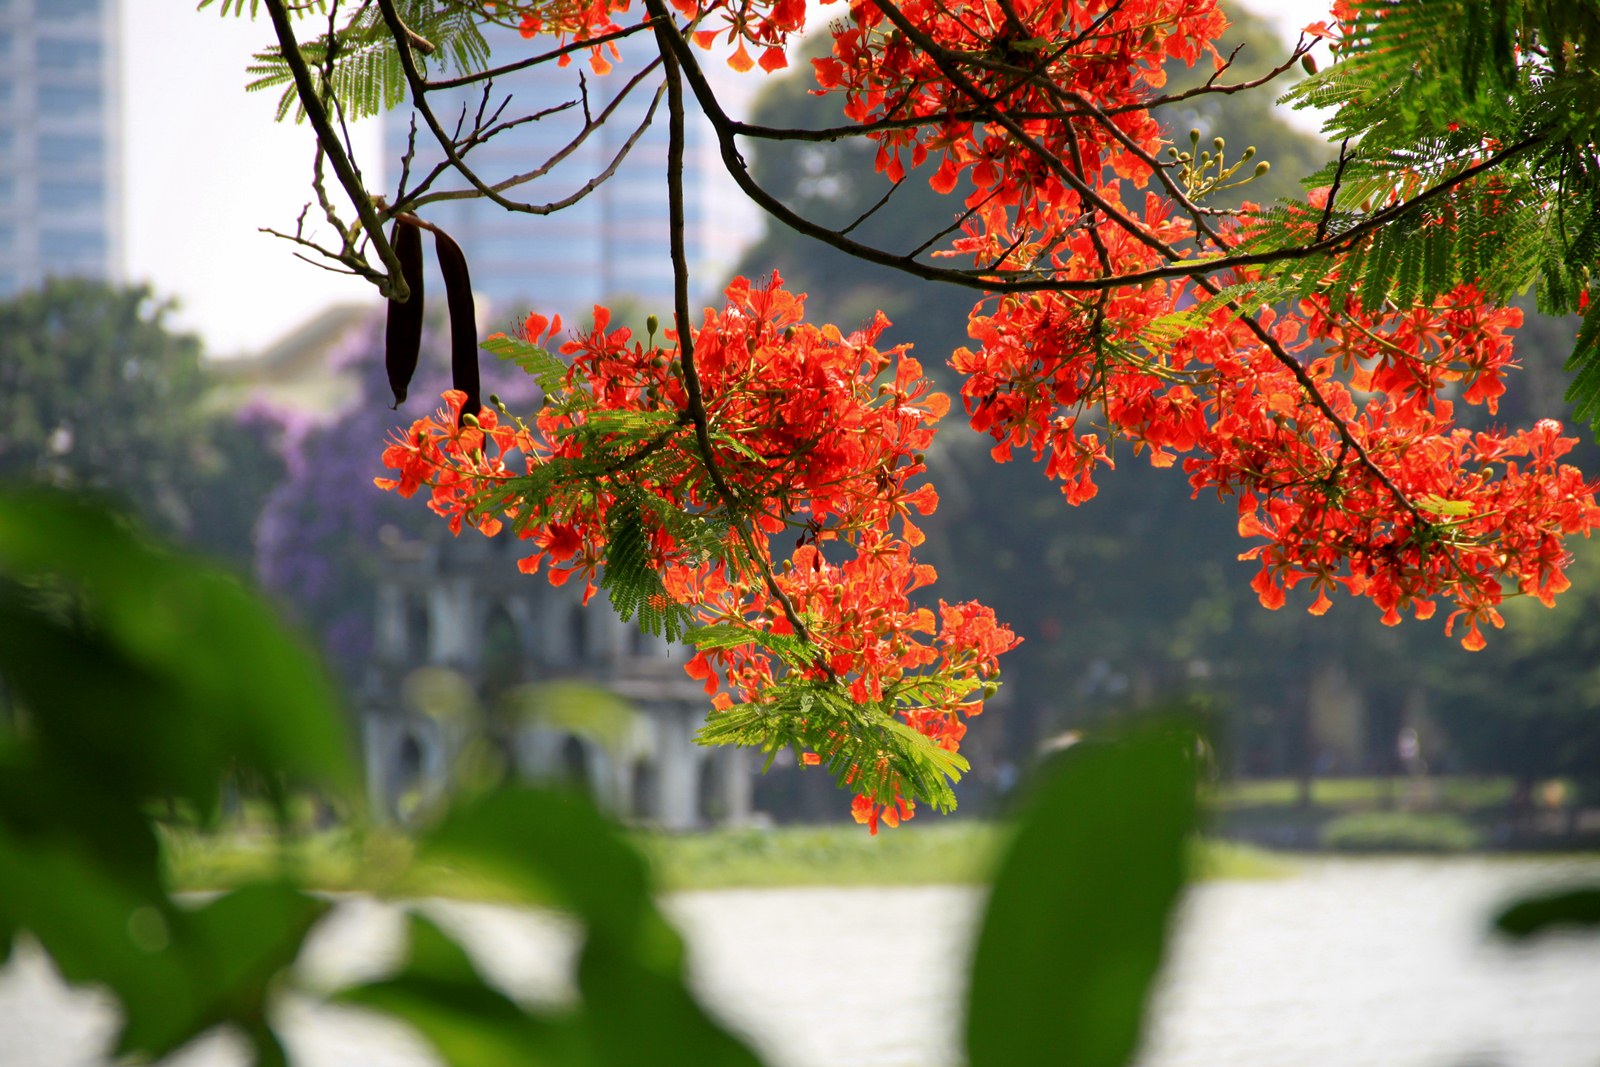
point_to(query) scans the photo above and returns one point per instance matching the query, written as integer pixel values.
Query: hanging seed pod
(402, 338)
(463, 320)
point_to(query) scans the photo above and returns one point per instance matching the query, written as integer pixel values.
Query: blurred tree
(97, 394)
(1529, 706)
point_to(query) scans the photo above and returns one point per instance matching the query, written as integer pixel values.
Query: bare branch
(394, 286)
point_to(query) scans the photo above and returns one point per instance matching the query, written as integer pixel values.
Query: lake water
(1349, 963)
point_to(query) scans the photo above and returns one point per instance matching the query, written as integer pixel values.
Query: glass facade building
(60, 150)
(612, 246)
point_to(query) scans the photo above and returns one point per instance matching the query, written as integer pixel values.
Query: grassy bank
(1454, 793)
(382, 861)
(1432, 814)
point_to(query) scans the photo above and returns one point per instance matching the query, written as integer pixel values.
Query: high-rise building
(60, 150)
(612, 246)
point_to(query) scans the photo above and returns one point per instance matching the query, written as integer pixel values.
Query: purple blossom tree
(319, 543)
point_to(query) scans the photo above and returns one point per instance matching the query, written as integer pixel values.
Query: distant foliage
(98, 394)
(1401, 831)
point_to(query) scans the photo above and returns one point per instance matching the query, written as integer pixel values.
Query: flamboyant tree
(1303, 359)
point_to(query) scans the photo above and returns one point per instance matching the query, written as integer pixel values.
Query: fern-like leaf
(866, 748)
(1584, 365)
(632, 581)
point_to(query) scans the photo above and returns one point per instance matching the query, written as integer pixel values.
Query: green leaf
(787, 647)
(950, 765)
(435, 954)
(633, 583)
(192, 672)
(1076, 925)
(82, 911)
(440, 993)
(865, 747)
(141, 677)
(231, 951)
(642, 1016)
(1549, 912)
(365, 73)
(1584, 366)
(475, 1026)
(557, 849)
(548, 371)
(1441, 505)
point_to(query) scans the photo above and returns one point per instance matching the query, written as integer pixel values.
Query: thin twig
(395, 286)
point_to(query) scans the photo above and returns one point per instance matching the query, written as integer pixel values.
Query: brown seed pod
(463, 320)
(402, 339)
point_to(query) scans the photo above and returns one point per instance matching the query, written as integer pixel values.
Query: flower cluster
(1331, 424)
(776, 427)
(873, 639)
(765, 25)
(985, 75)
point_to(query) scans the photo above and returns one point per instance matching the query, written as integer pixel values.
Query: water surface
(1350, 963)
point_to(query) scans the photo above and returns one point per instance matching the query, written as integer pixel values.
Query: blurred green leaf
(179, 674)
(229, 951)
(435, 954)
(474, 1025)
(440, 993)
(639, 1015)
(573, 707)
(1571, 908)
(557, 849)
(1076, 924)
(82, 911)
(134, 677)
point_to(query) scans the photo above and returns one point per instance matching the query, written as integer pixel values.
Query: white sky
(206, 166)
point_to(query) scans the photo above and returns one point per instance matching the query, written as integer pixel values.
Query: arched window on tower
(409, 765)
(419, 630)
(578, 634)
(502, 659)
(710, 801)
(573, 772)
(644, 794)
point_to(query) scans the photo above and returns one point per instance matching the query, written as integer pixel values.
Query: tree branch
(667, 38)
(395, 287)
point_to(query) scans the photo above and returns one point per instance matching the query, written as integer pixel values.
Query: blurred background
(158, 350)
